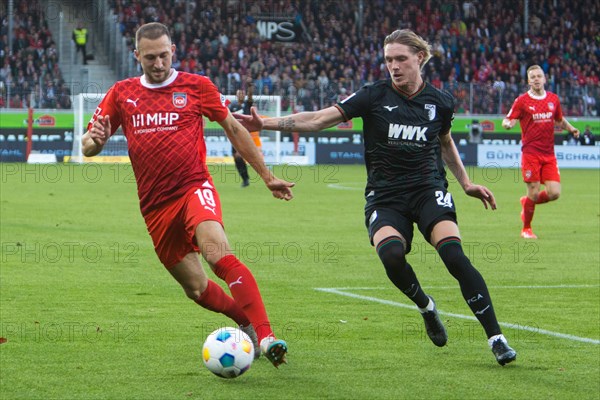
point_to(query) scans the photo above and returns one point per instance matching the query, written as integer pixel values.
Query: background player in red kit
(161, 116)
(538, 112)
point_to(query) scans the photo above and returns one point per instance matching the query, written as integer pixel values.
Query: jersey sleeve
(108, 106)
(515, 110)
(356, 104)
(558, 115)
(447, 114)
(214, 104)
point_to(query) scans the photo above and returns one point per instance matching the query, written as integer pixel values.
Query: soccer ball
(228, 352)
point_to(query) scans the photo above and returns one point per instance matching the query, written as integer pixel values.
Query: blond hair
(531, 68)
(412, 40)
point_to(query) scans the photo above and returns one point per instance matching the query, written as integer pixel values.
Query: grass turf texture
(88, 312)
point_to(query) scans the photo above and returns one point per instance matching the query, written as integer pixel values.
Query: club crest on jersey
(550, 106)
(430, 111)
(179, 99)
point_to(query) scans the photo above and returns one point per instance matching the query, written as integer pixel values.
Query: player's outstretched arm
(309, 121)
(95, 138)
(564, 124)
(508, 123)
(452, 159)
(242, 141)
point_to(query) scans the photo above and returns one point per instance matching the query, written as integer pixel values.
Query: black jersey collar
(404, 94)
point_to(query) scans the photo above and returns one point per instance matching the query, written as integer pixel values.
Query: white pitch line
(489, 287)
(460, 316)
(340, 186)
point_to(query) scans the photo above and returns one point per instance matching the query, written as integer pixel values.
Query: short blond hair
(531, 68)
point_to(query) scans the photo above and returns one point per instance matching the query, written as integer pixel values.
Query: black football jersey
(401, 134)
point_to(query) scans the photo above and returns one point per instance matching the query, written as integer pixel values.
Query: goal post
(217, 143)
(80, 109)
(267, 106)
(115, 150)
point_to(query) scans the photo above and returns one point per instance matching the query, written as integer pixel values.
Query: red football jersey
(537, 116)
(164, 130)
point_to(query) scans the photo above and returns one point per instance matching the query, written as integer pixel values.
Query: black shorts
(425, 207)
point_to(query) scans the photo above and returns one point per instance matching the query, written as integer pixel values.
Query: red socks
(528, 209)
(245, 292)
(215, 299)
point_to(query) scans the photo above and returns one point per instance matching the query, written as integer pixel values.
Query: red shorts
(538, 168)
(173, 226)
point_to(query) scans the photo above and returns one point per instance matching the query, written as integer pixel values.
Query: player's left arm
(452, 159)
(242, 141)
(564, 124)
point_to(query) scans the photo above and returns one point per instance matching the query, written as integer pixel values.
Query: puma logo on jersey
(390, 108)
(237, 282)
(211, 209)
(407, 132)
(134, 102)
(532, 108)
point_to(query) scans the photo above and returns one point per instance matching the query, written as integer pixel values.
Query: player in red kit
(161, 116)
(538, 112)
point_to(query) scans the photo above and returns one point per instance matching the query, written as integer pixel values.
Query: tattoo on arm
(287, 124)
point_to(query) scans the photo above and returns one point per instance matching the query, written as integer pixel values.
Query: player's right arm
(508, 123)
(95, 138)
(512, 117)
(100, 128)
(308, 121)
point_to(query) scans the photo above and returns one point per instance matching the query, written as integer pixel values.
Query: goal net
(218, 146)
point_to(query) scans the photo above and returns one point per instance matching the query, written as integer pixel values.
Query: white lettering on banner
(36, 138)
(269, 150)
(509, 156)
(283, 31)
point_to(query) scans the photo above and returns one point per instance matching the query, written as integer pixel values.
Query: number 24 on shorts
(443, 200)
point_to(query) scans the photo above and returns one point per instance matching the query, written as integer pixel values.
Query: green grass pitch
(88, 312)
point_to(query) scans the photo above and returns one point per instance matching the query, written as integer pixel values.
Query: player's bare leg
(195, 283)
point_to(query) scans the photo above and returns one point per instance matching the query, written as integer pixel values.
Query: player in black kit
(407, 141)
(241, 105)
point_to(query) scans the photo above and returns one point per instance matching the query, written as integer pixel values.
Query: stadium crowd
(480, 48)
(30, 64)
